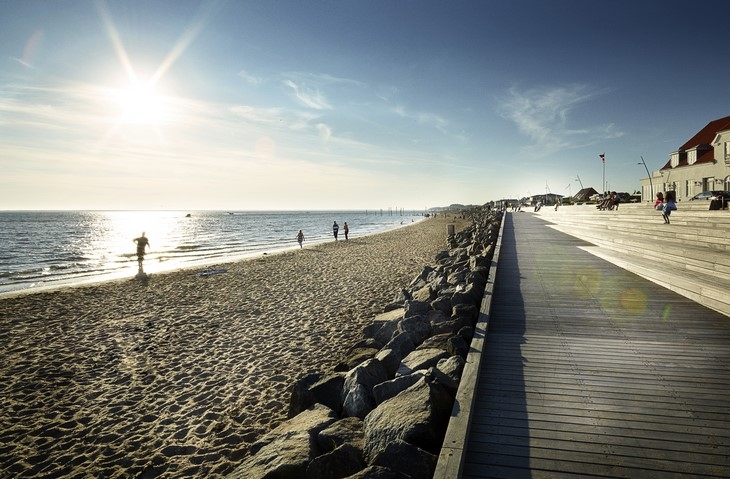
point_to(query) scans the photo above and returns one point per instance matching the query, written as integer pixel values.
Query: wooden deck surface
(591, 371)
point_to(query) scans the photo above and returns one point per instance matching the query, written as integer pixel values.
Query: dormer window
(692, 156)
(674, 158)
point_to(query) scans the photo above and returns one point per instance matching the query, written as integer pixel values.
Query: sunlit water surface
(51, 248)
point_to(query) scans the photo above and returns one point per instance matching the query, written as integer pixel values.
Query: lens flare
(633, 300)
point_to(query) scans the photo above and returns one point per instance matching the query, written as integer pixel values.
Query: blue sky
(294, 104)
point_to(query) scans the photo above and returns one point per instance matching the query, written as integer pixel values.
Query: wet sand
(176, 375)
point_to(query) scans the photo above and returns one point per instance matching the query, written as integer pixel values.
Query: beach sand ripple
(177, 375)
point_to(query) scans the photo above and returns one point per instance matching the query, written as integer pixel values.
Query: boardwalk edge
(451, 458)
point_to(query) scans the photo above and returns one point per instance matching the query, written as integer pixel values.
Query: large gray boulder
(442, 303)
(457, 346)
(357, 391)
(470, 295)
(437, 316)
(389, 389)
(377, 472)
(286, 451)
(357, 356)
(437, 341)
(406, 458)
(345, 431)
(317, 388)
(402, 344)
(418, 416)
(417, 325)
(383, 326)
(452, 367)
(448, 327)
(424, 294)
(390, 359)
(469, 312)
(416, 308)
(420, 359)
(341, 462)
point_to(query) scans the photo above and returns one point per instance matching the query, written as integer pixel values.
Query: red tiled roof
(703, 137)
(707, 134)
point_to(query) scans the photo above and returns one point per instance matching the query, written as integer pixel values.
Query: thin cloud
(431, 120)
(258, 115)
(249, 78)
(311, 98)
(543, 115)
(422, 118)
(320, 79)
(29, 49)
(325, 132)
(22, 62)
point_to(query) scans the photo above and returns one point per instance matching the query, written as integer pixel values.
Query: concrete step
(708, 291)
(690, 256)
(716, 240)
(683, 257)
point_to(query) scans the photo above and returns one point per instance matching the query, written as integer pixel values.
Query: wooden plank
(582, 379)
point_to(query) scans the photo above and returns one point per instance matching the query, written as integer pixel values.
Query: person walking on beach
(335, 229)
(300, 238)
(345, 229)
(142, 244)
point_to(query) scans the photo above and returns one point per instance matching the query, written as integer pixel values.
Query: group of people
(335, 232)
(665, 204)
(610, 202)
(336, 229)
(143, 243)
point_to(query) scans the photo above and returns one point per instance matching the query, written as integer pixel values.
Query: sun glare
(141, 104)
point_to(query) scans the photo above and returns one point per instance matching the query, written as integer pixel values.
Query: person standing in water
(300, 238)
(142, 244)
(335, 229)
(345, 229)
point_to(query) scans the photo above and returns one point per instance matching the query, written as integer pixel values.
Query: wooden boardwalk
(591, 371)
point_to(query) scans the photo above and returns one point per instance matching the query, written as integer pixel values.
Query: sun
(140, 104)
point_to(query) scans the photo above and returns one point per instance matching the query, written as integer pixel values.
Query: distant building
(506, 203)
(546, 199)
(702, 163)
(584, 195)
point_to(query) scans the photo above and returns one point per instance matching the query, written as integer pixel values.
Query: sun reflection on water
(119, 228)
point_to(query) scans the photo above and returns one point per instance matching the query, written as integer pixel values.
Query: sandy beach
(177, 375)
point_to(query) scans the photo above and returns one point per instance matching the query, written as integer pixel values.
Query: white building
(701, 164)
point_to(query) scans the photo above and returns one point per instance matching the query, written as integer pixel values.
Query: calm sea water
(39, 249)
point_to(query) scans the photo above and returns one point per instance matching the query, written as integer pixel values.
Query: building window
(727, 152)
(674, 158)
(691, 157)
(686, 188)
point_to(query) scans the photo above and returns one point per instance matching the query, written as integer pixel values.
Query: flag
(603, 157)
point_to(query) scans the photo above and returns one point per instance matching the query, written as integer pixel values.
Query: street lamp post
(651, 186)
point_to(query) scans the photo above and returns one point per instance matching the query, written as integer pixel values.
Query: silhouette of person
(659, 201)
(335, 229)
(669, 206)
(300, 238)
(142, 244)
(345, 229)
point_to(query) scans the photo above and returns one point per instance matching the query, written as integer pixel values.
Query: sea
(47, 249)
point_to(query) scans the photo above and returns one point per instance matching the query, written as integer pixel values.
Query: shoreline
(177, 375)
(177, 267)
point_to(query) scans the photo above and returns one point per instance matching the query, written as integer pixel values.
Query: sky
(344, 104)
